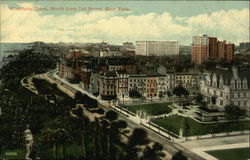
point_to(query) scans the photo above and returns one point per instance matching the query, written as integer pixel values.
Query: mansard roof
(227, 74)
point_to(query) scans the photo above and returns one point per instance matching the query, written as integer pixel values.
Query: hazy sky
(140, 20)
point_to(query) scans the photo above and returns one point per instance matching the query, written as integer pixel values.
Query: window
(221, 102)
(215, 93)
(221, 94)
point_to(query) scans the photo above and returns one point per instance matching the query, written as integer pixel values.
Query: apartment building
(200, 49)
(127, 46)
(108, 85)
(213, 49)
(65, 70)
(225, 51)
(206, 48)
(138, 82)
(161, 85)
(123, 91)
(151, 86)
(190, 81)
(157, 48)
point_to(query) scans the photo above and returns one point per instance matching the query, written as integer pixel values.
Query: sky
(123, 21)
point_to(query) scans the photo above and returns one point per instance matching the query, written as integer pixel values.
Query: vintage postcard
(124, 80)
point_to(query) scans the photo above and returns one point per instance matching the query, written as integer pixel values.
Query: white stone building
(157, 48)
(227, 86)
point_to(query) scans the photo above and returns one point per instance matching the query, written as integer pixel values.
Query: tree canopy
(234, 112)
(179, 91)
(179, 156)
(134, 94)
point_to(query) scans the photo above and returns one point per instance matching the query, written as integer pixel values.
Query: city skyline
(225, 20)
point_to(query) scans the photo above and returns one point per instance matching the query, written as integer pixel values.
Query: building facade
(189, 81)
(123, 91)
(227, 87)
(157, 48)
(200, 49)
(206, 48)
(108, 85)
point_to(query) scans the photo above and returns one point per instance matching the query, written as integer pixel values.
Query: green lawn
(231, 154)
(174, 124)
(151, 109)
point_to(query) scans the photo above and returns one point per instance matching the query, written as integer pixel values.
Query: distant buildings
(244, 46)
(127, 46)
(223, 87)
(206, 48)
(105, 50)
(157, 48)
(200, 49)
(225, 51)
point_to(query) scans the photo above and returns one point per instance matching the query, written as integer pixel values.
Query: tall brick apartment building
(206, 48)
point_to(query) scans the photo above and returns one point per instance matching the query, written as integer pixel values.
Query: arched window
(245, 83)
(232, 84)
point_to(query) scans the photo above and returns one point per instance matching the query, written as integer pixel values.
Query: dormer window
(232, 84)
(239, 84)
(244, 84)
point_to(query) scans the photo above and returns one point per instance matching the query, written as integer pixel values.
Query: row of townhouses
(114, 78)
(119, 83)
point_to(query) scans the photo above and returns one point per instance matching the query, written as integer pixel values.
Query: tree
(111, 115)
(138, 138)
(234, 112)
(33, 152)
(179, 156)
(78, 97)
(53, 86)
(134, 94)
(169, 93)
(121, 124)
(198, 98)
(179, 91)
(50, 136)
(160, 94)
(153, 153)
